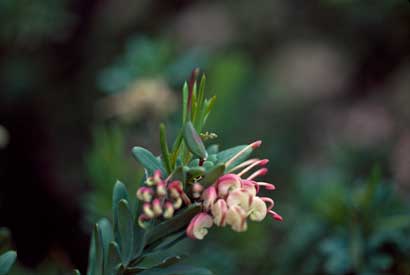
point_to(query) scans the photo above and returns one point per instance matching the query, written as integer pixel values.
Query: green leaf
(120, 193)
(166, 243)
(147, 160)
(212, 175)
(194, 141)
(113, 261)
(164, 148)
(76, 272)
(177, 269)
(194, 172)
(106, 236)
(126, 231)
(177, 223)
(139, 240)
(184, 102)
(96, 255)
(7, 260)
(227, 154)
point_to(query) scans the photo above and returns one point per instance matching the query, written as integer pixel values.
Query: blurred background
(324, 83)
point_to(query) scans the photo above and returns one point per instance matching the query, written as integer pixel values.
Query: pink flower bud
(258, 210)
(227, 183)
(145, 194)
(161, 189)
(175, 189)
(197, 187)
(236, 218)
(219, 210)
(177, 203)
(209, 196)
(150, 181)
(168, 210)
(148, 210)
(157, 176)
(198, 227)
(156, 207)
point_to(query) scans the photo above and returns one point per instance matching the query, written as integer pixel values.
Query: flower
(233, 198)
(199, 225)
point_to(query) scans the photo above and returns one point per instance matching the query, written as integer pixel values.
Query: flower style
(231, 200)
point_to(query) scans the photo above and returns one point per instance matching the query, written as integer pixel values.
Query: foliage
(349, 231)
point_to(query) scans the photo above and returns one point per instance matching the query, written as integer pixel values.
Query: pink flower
(227, 183)
(198, 227)
(257, 210)
(209, 196)
(219, 210)
(236, 218)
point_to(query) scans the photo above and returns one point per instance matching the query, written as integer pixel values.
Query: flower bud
(219, 210)
(198, 227)
(197, 187)
(156, 207)
(227, 183)
(161, 189)
(150, 181)
(177, 203)
(168, 210)
(209, 196)
(157, 176)
(145, 194)
(175, 189)
(148, 210)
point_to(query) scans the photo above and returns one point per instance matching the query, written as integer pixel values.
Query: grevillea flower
(199, 225)
(233, 198)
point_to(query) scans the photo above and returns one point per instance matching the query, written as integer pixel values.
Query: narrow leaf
(95, 263)
(147, 160)
(177, 223)
(125, 230)
(194, 141)
(184, 102)
(164, 148)
(212, 175)
(113, 261)
(106, 235)
(120, 193)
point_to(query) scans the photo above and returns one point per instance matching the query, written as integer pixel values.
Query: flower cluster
(161, 199)
(231, 200)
